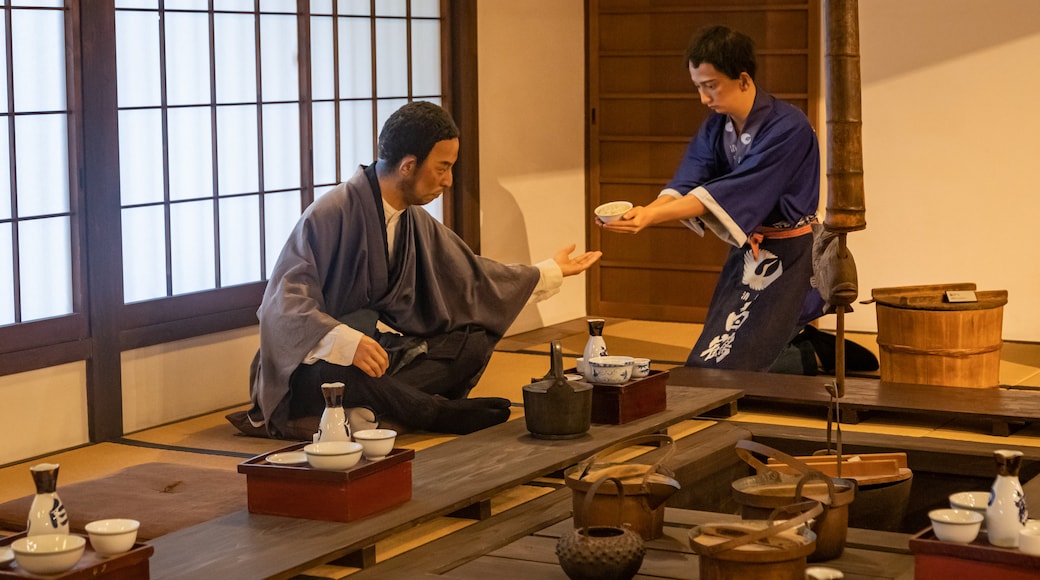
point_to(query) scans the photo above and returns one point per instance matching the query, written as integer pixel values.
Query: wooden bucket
(773, 549)
(645, 489)
(883, 482)
(770, 489)
(925, 339)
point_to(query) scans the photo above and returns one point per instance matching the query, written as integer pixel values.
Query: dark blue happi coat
(766, 177)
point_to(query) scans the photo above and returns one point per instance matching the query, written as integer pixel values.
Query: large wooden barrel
(925, 339)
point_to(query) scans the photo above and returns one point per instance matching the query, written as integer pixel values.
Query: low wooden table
(446, 478)
(868, 554)
(1003, 406)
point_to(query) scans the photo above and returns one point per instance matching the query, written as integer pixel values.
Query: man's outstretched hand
(578, 264)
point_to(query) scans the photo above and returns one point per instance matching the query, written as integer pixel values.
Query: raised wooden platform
(449, 477)
(703, 462)
(868, 554)
(1005, 408)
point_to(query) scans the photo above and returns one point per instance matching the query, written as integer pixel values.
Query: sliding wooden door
(643, 110)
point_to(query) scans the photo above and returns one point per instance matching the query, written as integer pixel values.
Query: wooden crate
(339, 496)
(638, 398)
(131, 565)
(979, 560)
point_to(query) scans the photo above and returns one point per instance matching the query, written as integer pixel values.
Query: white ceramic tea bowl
(580, 366)
(975, 501)
(113, 536)
(1029, 541)
(610, 370)
(333, 455)
(953, 525)
(376, 444)
(641, 368)
(612, 211)
(48, 553)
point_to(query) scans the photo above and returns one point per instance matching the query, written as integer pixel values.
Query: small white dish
(288, 458)
(6, 556)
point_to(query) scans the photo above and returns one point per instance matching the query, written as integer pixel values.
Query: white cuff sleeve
(337, 347)
(549, 281)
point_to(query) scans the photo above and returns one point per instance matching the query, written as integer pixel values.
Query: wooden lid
(933, 297)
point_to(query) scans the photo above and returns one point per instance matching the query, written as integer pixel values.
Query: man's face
(428, 181)
(718, 92)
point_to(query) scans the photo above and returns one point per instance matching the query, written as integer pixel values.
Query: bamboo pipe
(846, 210)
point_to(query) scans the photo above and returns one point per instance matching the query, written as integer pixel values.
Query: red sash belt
(767, 233)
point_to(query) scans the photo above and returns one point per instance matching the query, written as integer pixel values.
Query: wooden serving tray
(638, 398)
(300, 491)
(131, 565)
(979, 560)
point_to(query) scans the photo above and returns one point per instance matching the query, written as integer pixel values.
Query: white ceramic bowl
(952, 525)
(610, 370)
(640, 368)
(333, 455)
(612, 211)
(1029, 541)
(48, 553)
(975, 501)
(376, 444)
(114, 536)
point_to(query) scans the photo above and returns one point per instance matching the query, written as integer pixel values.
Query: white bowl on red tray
(333, 455)
(376, 443)
(112, 536)
(6, 556)
(953, 525)
(610, 370)
(48, 553)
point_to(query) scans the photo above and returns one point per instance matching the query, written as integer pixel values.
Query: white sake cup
(1029, 541)
(641, 368)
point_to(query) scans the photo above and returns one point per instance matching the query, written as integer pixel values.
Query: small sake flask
(333, 425)
(1007, 513)
(595, 346)
(47, 512)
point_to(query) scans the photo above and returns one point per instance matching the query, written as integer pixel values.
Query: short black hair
(729, 51)
(413, 130)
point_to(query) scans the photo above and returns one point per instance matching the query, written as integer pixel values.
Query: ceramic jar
(47, 512)
(1007, 513)
(333, 425)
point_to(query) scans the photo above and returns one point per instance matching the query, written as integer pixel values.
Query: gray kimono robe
(335, 262)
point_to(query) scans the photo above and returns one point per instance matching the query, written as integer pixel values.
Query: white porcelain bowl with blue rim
(376, 443)
(610, 370)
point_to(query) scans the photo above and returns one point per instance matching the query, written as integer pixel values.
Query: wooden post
(846, 210)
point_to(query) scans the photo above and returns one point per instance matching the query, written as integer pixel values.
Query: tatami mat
(207, 432)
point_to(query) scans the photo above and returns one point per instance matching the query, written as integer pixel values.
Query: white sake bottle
(333, 425)
(1007, 513)
(595, 346)
(47, 512)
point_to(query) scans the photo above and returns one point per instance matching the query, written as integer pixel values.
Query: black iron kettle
(556, 408)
